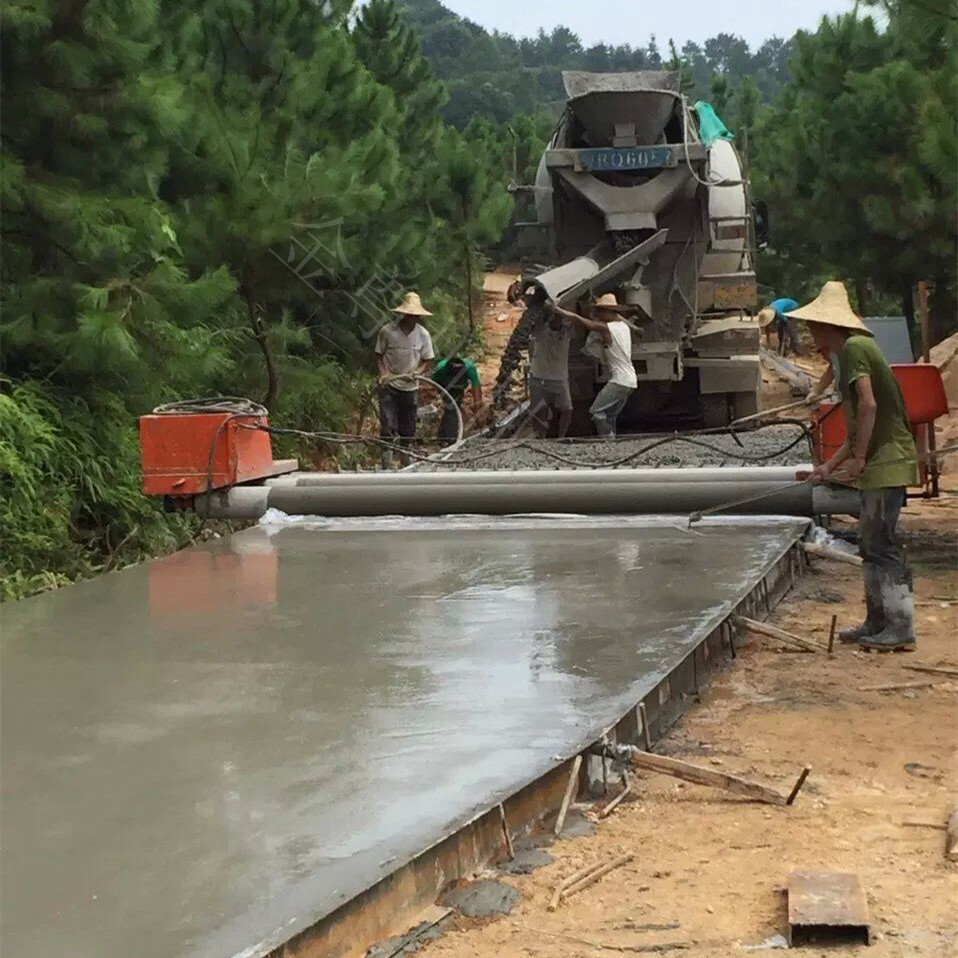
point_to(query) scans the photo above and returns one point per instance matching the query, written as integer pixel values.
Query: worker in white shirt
(614, 335)
(403, 352)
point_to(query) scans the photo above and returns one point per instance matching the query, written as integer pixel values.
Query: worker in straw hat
(613, 337)
(403, 351)
(878, 455)
(777, 312)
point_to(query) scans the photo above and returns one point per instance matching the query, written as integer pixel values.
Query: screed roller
(593, 492)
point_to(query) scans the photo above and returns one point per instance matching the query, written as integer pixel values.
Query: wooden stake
(895, 686)
(605, 812)
(575, 887)
(932, 669)
(831, 635)
(570, 880)
(951, 836)
(505, 831)
(569, 792)
(826, 552)
(797, 787)
(933, 467)
(646, 731)
(773, 632)
(705, 776)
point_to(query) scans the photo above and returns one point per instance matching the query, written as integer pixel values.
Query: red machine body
(175, 450)
(925, 401)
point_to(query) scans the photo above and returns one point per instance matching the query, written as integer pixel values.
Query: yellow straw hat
(765, 316)
(609, 301)
(411, 305)
(831, 308)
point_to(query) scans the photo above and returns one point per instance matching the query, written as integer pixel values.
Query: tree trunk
(472, 320)
(908, 310)
(262, 340)
(942, 309)
(861, 294)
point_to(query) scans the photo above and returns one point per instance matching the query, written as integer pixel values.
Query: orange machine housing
(925, 400)
(175, 452)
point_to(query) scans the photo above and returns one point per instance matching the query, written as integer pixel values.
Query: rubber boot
(874, 612)
(386, 459)
(898, 601)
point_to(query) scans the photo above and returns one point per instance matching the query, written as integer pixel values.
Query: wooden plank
(705, 776)
(932, 670)
(895, 686)
(605, 812)
(774, 632)
(593, 877)
(510, 851)
(951, 836)
(569, 792)
(826, 905)
(570, 880)
(836, 555)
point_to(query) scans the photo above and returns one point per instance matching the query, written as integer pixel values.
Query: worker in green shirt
(878, 456)
(455, 374)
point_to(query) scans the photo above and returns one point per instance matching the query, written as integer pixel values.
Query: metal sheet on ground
(207, 753)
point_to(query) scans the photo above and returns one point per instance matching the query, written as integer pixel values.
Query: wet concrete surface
(764, 446)
(204, 754)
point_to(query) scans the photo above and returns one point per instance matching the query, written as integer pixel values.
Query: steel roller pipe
(603, 492)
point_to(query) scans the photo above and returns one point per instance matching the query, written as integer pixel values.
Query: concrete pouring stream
(205, 754)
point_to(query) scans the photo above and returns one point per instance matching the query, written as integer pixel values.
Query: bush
(70, 499)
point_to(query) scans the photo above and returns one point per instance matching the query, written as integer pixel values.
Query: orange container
(925, 401)
(175, 452)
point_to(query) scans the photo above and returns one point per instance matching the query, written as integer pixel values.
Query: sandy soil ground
(499, 319)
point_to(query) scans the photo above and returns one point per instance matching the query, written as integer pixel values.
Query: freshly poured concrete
(204, 754)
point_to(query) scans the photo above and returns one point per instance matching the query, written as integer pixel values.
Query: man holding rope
(403, 351)
(878, 456)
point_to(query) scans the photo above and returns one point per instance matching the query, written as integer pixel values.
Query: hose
(232, 405)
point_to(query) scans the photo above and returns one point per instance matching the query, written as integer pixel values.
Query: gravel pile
(762, 447)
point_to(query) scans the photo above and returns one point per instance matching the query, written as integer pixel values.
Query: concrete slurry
(206, 753)
(631, 451)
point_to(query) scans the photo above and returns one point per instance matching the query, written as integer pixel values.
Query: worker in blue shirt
(786, 328)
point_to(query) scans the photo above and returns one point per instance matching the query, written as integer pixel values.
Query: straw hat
(411, 305)
(831, 308)
(765, 316)
(609, 301)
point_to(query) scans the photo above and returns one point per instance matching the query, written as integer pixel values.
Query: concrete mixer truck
(630, 198)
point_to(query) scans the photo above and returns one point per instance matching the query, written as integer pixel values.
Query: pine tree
(93, 287)
(860, 155)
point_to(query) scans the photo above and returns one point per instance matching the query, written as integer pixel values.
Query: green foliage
(859, 153)
(70, 500)
(498, 76)
(199, 199)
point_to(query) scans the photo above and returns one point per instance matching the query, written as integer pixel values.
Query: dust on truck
(628, 198)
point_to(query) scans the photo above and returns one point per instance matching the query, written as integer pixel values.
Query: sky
(632, 21)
